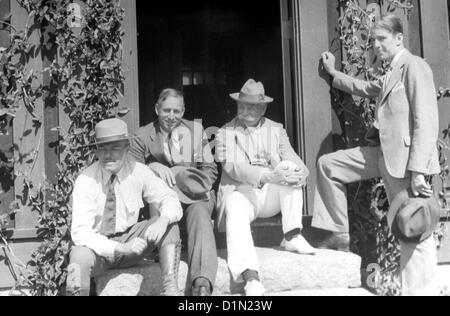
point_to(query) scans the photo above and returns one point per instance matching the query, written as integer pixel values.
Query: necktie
(174, 148)
(168, 149)
(109, 214)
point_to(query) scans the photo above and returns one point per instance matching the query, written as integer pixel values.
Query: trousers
(247, 204)
(334, 172)
(85, 264)
(201, 242)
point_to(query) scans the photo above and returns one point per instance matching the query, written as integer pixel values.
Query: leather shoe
(201, 291)
(298, 244)
(335, 241)
(254, 288)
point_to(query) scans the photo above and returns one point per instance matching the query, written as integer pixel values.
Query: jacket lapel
(156, 145)
(240, 141)
(395, 77)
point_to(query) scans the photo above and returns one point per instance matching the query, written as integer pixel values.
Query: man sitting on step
(107, 198)
(178, 152)
(262, 175)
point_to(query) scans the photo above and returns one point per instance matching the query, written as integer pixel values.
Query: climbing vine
(88, 82)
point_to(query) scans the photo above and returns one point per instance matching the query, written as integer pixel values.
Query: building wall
(312, 25)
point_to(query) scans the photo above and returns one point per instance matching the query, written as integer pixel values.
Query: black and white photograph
(246, 151)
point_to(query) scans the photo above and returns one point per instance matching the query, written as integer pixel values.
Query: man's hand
(135, 247)
(155, 232)
(420, 186)
(329, 63)
(294, 178)
(164, 173)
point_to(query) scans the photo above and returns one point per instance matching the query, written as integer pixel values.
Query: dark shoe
(201, 291)
(169, 261)
(335, 241)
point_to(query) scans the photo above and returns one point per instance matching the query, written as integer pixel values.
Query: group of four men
(169, 164)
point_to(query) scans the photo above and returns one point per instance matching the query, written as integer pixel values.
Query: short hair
(390, 23)
(167, 93)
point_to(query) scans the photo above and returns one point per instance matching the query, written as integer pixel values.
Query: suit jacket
(195, 151)
(407, 115)
(232, 153)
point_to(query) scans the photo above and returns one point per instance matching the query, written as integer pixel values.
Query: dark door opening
(208, 49)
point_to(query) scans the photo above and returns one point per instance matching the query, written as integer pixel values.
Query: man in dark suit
(408, 126)
(177, 151)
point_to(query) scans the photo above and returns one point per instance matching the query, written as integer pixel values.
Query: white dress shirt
(134, 184)
(256, 145)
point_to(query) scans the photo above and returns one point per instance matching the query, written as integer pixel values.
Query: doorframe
(306, 33)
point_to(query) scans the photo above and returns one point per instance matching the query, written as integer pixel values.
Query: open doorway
(208, 49)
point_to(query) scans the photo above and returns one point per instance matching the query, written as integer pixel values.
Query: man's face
(112, 155)
(387, 44)
(170, 113)
(250, 114)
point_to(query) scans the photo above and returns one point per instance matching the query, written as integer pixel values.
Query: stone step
(325, 292)
(281, 271)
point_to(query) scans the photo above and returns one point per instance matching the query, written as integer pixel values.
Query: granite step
(281, 272)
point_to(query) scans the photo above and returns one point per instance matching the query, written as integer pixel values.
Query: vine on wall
(88, 81)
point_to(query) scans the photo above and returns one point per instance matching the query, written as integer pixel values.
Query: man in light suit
(407, 128)
(261, 175)
(170, 144)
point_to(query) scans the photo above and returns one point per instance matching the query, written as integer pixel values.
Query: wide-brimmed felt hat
(111, 131)
(252, 92)
(413, 219)
(192, 185)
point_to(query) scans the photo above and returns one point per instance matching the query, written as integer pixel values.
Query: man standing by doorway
(107, 198)
(178, 152)
(406, 128)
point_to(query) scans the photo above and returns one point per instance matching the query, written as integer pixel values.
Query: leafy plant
(88, 80)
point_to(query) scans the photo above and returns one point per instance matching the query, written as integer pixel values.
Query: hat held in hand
(192, 185)
(413, 219)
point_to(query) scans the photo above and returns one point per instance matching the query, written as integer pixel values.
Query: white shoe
(254, 288)
(298, 244)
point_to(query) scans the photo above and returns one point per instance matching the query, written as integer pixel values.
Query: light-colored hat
(111, 131)
(252, 92)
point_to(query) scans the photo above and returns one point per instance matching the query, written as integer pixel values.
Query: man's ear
(400, 38)
(157, 109)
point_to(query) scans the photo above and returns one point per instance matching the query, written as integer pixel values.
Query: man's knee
(234, 203)
(82, 258)
(325, 164)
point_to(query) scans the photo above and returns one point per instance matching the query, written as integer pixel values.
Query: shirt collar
(174, 133)
(397, 57)
(121, 175)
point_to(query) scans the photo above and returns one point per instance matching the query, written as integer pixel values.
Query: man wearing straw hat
(107, 198)
(262, 175)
